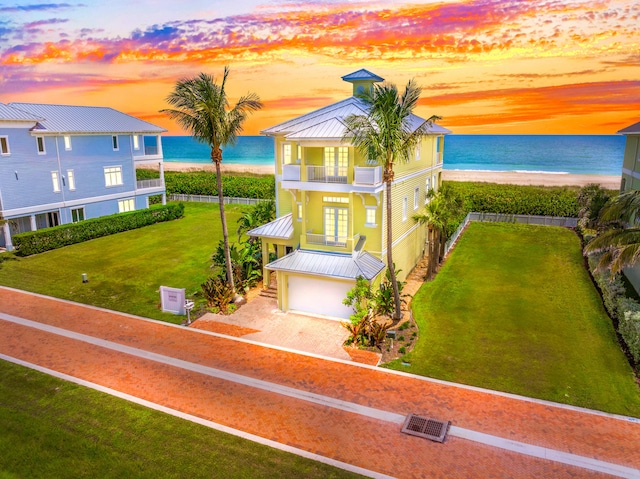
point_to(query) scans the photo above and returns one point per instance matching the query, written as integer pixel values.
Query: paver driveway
(346, 412)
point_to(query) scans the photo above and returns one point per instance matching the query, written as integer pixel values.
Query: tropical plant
(591, 199)
(383, 300)
(387, 134)
(442, 213)
(619, 240)
(218, 293)
(246, 263)
(260, 214)
(201, 107)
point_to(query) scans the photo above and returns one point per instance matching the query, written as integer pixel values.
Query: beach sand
(545, 179)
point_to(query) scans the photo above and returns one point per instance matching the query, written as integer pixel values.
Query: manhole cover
(426, 427)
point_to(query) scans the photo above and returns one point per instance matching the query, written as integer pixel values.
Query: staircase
(272, 290)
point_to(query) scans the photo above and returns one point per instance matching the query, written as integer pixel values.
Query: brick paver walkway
(300, 400)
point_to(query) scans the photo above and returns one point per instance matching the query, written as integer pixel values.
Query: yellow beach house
(631, 162)
(330, 226)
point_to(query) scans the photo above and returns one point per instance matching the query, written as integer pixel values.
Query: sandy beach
(545, 179)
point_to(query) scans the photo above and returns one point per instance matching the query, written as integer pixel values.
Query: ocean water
(576, 154)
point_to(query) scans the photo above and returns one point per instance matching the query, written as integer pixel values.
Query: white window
(299, 210)
(67, 143)
(112, 176)
(71, 180)
(114, 142)
(416, 197)
(335, 199)
(55, 179)
(136, 142)
(299, 154)
(336, 160)
(336, 222)
(370, 218)
(405, 208)
(126, 205)
(77, 215)
(4, 145)
(40, 143)
(286, 154)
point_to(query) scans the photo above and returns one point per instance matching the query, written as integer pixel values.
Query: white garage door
(319, 296)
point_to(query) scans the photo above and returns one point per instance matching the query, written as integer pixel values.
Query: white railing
(291, 172)
(327, 240)
(367, 175)
(326, 174)
(149, 183)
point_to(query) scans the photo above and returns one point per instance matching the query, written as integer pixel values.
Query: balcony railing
(367, 175)
(327, 174)
(150, 150)
(291, 172)
(142, 184)
(332, 240)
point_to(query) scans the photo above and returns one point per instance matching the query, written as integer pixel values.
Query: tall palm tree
(387, 133)
(620, 237)
(201, 107)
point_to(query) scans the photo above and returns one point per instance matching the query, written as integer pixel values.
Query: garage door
(319, 296)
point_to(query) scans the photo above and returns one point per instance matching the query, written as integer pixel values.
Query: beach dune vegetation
(201, 106)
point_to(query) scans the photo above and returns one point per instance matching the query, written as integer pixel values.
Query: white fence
(228, 200)
(503, 218)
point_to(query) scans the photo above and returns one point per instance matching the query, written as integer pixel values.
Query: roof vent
(426, 427)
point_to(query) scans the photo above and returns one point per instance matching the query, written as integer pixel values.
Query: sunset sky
(486, 66)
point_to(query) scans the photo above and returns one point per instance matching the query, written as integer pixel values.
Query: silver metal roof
(362, 74)
(633, 129)
(13, 114)
(85, 119)
(280, 228)
(331, 265)
(327, 122)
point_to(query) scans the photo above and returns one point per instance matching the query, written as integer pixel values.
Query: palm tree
(387, 134)
(441, 214)
(620, 236)
(202, 108)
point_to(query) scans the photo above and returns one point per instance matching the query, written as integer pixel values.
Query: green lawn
(126, 270)
(50, 428)
(513, 309)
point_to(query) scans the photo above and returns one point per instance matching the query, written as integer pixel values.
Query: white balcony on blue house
(146, 148)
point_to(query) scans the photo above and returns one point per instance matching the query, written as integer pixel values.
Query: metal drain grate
(426, 427)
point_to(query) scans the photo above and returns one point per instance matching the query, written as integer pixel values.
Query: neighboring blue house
(62, 164)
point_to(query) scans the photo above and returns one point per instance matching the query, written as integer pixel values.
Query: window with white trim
(71, 179)
(136, 142)
(40, 145)
(299, 154)
(335, 199)
(4, 145)
(67, 142)
(286, 154)
(405, 208)
(112, 176)
(126, 205)
(55, 179)
(416, 197)
(114, 143)
(370, 216)
(427, 186)
(299, 211)
(77, 214)
(418, 148)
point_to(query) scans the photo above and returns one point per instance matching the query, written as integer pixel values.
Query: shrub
(629, 329)
(204, 183)
(34, 242)
(611, 288)
(218, 294)
(517, 199)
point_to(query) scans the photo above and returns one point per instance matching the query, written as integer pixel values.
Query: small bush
(629, 329)
(34, 242)
(218, 294)
(402, 350)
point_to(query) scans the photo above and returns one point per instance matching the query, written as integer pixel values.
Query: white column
(159, 143)
(7, 237)
(32, 220)
(161, 168)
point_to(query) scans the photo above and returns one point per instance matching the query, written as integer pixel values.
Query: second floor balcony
(358, 175)
(154, 183)
(333, 241)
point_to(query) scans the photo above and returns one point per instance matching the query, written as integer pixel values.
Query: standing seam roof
(85, 119)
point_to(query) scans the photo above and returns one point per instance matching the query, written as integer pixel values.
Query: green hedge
(204, 183)
(518, 199)
(39, 241)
